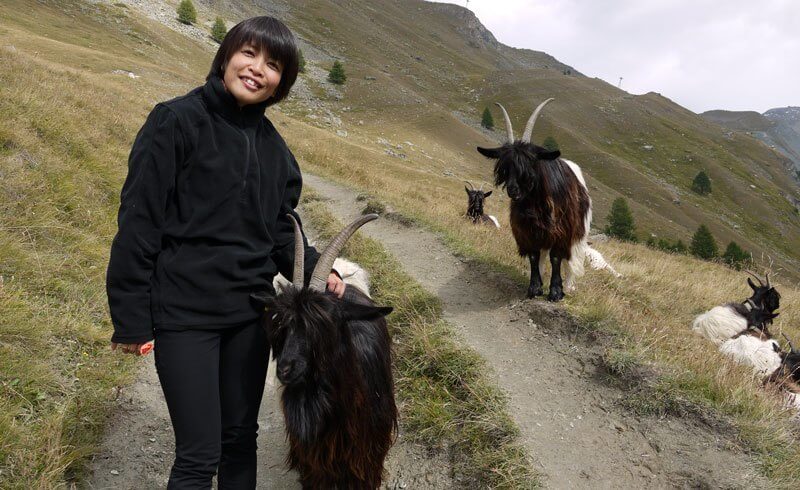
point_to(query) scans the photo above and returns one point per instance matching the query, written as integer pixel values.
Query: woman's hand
(335, 284)
(135, 349)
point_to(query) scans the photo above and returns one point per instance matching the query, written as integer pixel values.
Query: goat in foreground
(726, 321)
(334, 360)
(551, 211)
(476, 199)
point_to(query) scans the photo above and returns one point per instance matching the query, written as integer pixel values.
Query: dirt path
(570, 419)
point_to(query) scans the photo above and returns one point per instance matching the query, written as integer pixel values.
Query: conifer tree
(735, 256)
(701, 184)
(487, 121)
(301, 61)
(186, 12)
(337, 75)
(620, 221)
(680, 247)
(703, 244)
(551, 144)
(219, 30)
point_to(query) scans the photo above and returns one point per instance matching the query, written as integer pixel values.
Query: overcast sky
(702, 54)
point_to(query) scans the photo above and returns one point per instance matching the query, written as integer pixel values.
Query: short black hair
(269, 35)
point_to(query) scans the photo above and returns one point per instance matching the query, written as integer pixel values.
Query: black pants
(213, 381)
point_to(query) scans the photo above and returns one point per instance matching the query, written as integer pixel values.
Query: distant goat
(551, 211)
(726, 321)
(475, 206)
(334, 360)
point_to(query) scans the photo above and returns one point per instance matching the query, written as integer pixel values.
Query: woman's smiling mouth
(250, 83)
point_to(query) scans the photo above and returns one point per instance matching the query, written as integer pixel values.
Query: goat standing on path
(551, 211)
(334, 360)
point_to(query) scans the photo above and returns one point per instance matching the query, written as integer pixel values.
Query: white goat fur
(352, 274)
(719, 324)
(755, 352)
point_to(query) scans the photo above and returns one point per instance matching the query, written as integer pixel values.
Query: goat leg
(556, 285)
(535, 288)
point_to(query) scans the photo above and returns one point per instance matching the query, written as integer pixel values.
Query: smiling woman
(202, 225)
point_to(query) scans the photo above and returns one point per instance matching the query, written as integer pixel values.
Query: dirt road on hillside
(571, 420)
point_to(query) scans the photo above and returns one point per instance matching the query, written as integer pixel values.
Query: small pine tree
(186, 12)
(487, 121)
(620, 221)
(337, 75)
(735, 256)
(551, 144)
(703, 244)
(702, 184)
(680, 247)
(301, 62)
(219, 30)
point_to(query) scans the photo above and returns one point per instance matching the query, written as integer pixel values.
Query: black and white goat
(334, 360)
(551, 211)
(475, 201)
(726, 321)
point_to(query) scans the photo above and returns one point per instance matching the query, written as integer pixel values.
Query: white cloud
(703, 54)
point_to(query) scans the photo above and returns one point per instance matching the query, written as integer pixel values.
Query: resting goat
(724, 322)
(334, 360)
(755, 347)
(475, 206)
(550, 207)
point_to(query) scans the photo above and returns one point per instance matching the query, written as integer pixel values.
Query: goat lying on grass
(475, 206)
(334, 360)
(550, 207)
(726, 321)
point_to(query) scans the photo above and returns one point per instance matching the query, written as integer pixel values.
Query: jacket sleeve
(283, 250)
(156, 152)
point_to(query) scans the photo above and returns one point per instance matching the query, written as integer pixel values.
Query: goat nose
(284, 368)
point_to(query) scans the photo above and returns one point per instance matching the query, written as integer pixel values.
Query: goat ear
(489, 152)
(354, 311)
(488, 194)
(750, 283)
(548, 155)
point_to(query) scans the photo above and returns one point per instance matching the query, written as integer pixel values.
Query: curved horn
(526, 136)
(760, 282)
(470, 184)
(320, 275)
(768, 284)
(509, 130)
(299, 254)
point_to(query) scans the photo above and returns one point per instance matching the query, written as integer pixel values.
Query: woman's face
(251, 76)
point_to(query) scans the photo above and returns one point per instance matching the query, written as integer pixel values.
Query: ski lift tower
(619, 85)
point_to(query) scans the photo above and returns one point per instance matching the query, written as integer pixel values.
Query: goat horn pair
(526, 136)
(319, 277)
(470, 184)
(760, 282)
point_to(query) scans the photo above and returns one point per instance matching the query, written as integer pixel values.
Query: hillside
(77, 78)
(778, 128)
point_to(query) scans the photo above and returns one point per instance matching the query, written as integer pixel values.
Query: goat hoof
(555, 296)
(534, 292)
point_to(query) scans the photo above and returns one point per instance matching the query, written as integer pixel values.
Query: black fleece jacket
(202, 218)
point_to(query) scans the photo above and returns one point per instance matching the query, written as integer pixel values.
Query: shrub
(487, 121)
(219, 30)
(620, 221)
(703, 244)
(186, 12)
(301, 61)
(337, 75)
(701, 184)
(551, 144)
(735, 256)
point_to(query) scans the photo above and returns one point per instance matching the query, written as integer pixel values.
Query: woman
(202, 226)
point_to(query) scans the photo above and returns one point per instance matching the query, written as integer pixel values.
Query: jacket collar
(219, 100)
